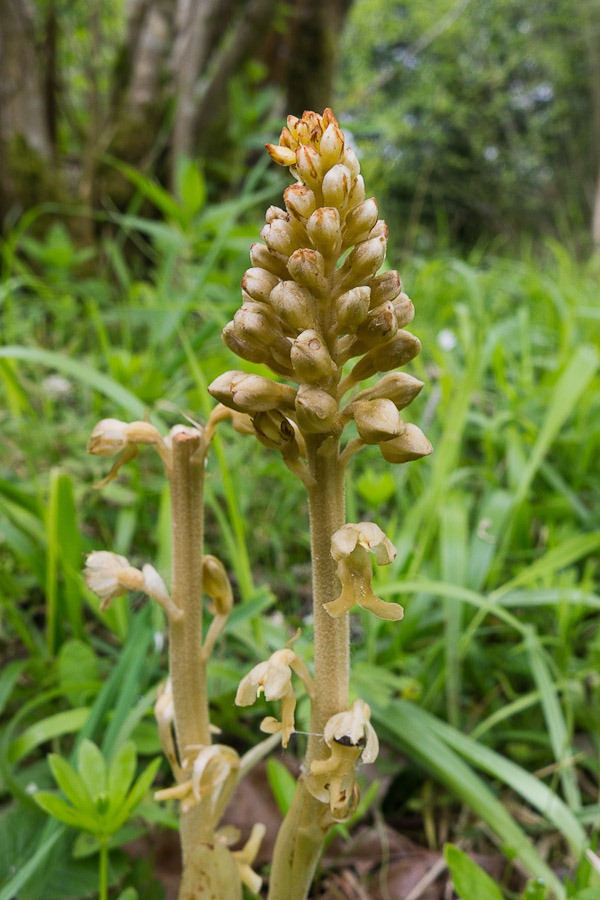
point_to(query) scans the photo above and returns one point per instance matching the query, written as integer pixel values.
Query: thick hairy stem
(187, 665)
(305, 827)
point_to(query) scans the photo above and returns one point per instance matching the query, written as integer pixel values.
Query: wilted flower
(211, 770)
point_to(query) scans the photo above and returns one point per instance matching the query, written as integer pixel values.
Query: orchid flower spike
(350, 547)
(273, 678)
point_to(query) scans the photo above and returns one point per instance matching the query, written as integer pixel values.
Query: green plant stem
(304, 829)
(187, 666)
(103, 870)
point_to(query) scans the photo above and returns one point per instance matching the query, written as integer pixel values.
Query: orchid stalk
(317, 312)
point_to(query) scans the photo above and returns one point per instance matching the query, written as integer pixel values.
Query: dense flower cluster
(313, 302)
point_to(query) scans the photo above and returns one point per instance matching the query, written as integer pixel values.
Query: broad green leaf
(78, 669)
(92, 768)
(190, 186)
(138, 792)
(8, 678)
(66, 813)
(70, 783)
(121, 773)
(469, 880)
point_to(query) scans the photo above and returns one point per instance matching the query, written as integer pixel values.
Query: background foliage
(475, 125)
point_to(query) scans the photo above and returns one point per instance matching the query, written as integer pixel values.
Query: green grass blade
(81, 372)
(415, 733)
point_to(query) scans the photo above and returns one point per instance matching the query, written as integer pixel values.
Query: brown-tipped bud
(385, 287)
(263, 258)
(286, 139)
(307, 267)
(357, 192)
(317, 411)
(350, 160)
(362, 262)
(379, 229)
(294, 305)
(403, 347)
(376, 420)
(404, 310)
(216, 585)
(337, 185)
(283, 156)
(311, 360)
(399, 387)
(351, 309)
(258, 283)
(411, 444)
(300, 201)
(360, 221)
(325, 232)
(280, 236)
(331, 146)
(379, 326)
(273, 429)
(308, 166)
(249, 393)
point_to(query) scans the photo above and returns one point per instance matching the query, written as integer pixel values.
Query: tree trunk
(313, 46)
(25, 145)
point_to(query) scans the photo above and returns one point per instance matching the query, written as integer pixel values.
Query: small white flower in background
(447, 339)
(57, 386)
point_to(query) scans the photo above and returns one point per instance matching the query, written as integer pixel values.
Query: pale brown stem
(187, 663)
(304, 829)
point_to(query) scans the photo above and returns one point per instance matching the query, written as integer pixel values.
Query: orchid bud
(350, 160)
(324, 230)
(376, 420)
(286, 139)
(307, 267)
(216, 584)
(357, 193)
(300, 201)
(411, 444)
(110, 436)
(308, 166)
(311, 360)
(280, 237)
(360, 221)
(379, 229)
(247, 349)
(399, 387)
(351, 309)
(281, 155)
(403, 347)
(259, 283)
(404, 310)
(380, 325)
(336, 187)
(317, 412)
(385, 287)
(331, 146)
(362, 262)
(294, 305)
(263, 258)
(251, 393)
